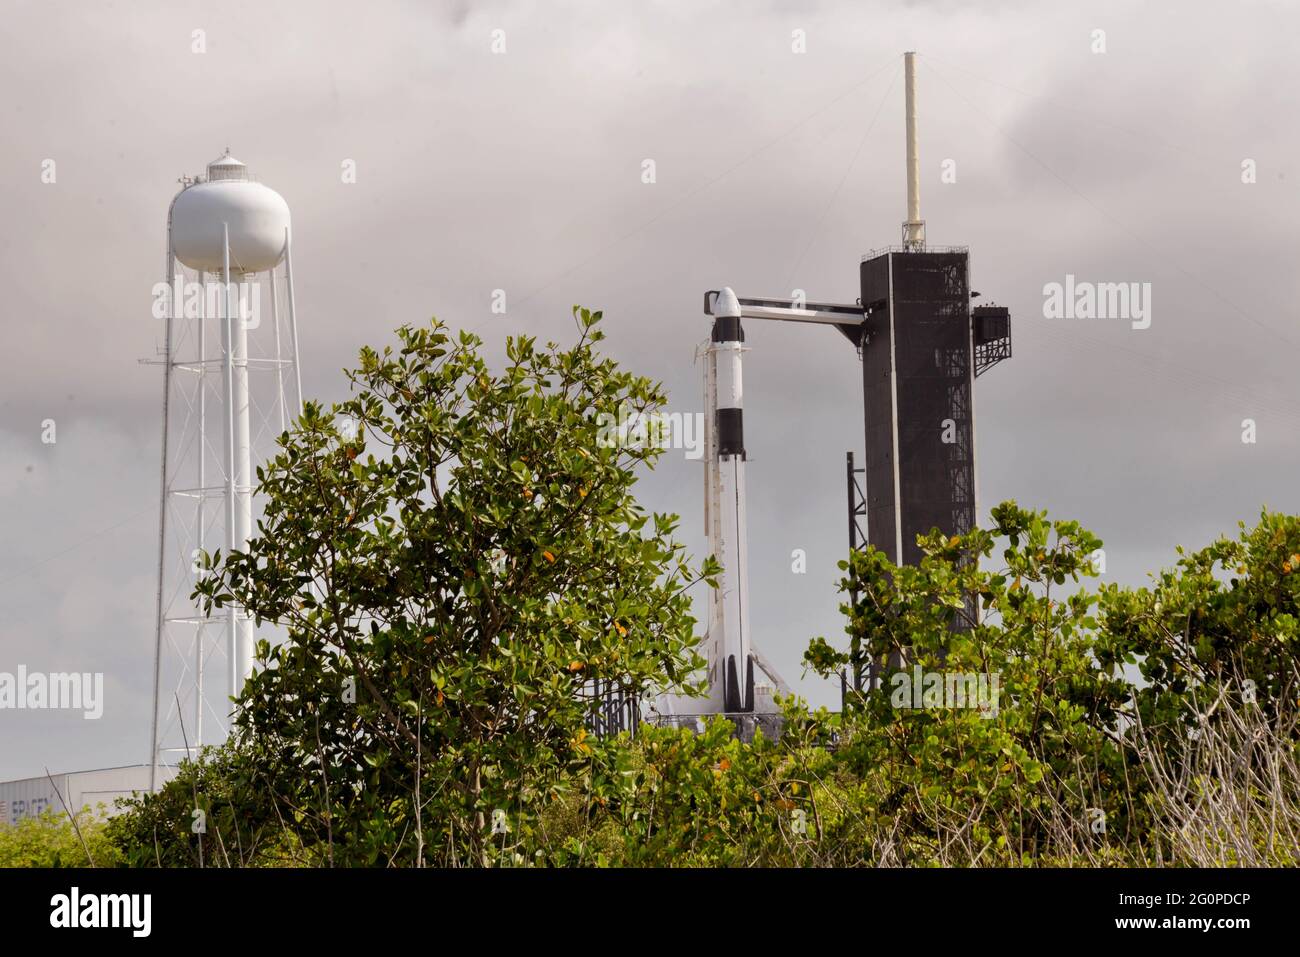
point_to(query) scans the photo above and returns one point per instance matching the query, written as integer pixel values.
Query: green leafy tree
(458, 563)
(1216, 707)
(219, 810)
(1047, 738)
(1226, 617)
(674, 797)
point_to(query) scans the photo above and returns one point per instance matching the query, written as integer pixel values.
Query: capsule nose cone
(727, 305)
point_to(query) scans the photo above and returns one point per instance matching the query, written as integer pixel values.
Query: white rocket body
(730, 671)
(740, 679)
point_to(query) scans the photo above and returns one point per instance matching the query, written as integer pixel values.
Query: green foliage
(51, 840)
(453, 577)
(671, 797)
(1225, 617)
(1074, 739)
(239, 824)
(1064, 772)
(1054, 707)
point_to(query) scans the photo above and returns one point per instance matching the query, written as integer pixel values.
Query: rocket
(731, 667)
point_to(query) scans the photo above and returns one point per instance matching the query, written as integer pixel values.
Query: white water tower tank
(256, 215)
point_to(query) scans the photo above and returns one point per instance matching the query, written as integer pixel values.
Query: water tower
(231, 385)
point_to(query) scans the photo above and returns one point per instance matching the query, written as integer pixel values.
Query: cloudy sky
(775, 170)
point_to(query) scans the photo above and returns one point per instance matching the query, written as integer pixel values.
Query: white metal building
(98, 790)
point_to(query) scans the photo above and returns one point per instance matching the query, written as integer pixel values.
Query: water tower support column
(239, 513)
(293, 315)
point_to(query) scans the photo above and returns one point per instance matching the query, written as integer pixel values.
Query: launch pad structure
(922, 346)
